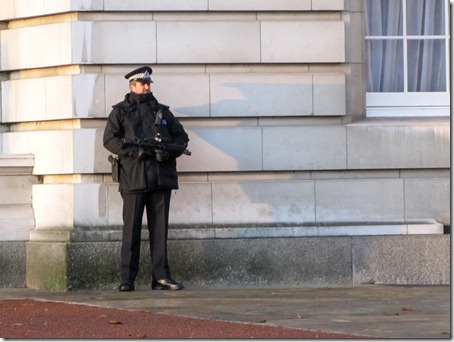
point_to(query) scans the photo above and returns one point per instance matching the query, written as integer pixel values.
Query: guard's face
(140, 87)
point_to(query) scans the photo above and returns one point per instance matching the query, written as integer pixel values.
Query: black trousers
(157, 205)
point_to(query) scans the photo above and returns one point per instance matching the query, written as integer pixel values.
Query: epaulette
(117, 104)
(124, 103)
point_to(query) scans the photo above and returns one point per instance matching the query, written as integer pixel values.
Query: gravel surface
(43, 319)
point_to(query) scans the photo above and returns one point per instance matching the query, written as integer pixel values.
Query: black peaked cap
(142, 74)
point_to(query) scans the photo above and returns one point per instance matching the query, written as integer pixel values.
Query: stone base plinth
(335, 260)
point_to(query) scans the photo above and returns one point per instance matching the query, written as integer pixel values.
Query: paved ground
(380, 311)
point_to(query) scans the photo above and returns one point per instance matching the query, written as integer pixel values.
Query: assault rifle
(156, 145)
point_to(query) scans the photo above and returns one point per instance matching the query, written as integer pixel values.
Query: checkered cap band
(140, 76)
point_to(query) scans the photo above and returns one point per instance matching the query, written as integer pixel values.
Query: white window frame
(419, 104)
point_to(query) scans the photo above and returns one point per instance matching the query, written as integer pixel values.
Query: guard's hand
(178, 153)
(143, 155)
(162, 156)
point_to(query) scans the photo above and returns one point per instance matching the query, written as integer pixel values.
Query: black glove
(131, 152)
(178, 153)
(143, 155)
(162, 156)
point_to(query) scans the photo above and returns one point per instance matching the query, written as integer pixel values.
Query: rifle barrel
(154, 145)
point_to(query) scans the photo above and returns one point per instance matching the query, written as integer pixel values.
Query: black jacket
(135, 118)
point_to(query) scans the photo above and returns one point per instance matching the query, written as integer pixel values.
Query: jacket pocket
(167, 175)
(133, 175)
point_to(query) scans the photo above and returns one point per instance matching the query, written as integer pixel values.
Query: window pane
(383, 17)
(426, 65)
(385, 68)
(425, 17)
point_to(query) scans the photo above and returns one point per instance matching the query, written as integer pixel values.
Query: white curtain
(425, 59)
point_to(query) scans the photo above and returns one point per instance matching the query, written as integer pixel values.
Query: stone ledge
(219, 233)
(307, 231)
(16, 164)
(14, 10)
(408, 121)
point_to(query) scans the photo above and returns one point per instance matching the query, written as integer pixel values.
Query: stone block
(7, 9)
(355, 5)
(260, 203)
(16, 190)
(188, 95)
(304, 148)
(156, 5)
(79, 96)
(208, 42)
(329, 95)
(115, 91)
(88, 95)
(8, 102)
(328, 5)
(54, 206)
(223, 149)
(429, 228)
(61, 99)
(261, 262)
(46, 46)
(386, 144)
(192, 204)
(112, 42)
(15, 143)
(428, 198)
(34, 109)
(69, 206)
(16, 52)
(12, 264)
(324, 42)
(89, 153)
(15, 9)
(114, 205)
(16, 222)
(46, 266)
(36, 46)
(96, 266)
(361, 200)
(355, 37)
(49, 148)
(89, 209)
(261, 95)
(100, 155)
(356, 91)
(405, 260)
(259, 5)
(76, 5)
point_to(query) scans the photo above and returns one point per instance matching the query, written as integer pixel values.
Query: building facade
(296, 176)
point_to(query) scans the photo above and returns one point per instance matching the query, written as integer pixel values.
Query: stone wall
(16, 216)
(272, 95)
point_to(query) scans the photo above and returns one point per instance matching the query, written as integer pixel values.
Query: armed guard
(146, 176)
